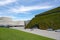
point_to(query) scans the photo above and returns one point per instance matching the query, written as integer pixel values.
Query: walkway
(50, 34)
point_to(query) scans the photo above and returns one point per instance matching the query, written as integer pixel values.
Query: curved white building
(8, 21)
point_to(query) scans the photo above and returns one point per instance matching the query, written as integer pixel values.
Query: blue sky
(25, 9)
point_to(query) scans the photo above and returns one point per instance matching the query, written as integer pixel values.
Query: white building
(8, 21)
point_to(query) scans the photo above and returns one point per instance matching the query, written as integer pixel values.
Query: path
(50, 34)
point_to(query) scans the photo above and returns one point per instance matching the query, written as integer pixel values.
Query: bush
(49, 19)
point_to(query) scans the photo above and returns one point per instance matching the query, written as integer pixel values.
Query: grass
(11, 34)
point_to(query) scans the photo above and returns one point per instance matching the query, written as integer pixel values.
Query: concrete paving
(50, 34)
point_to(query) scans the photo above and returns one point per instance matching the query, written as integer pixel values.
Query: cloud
(15, 18)
(5, 2)
(56, 0)
(24, 9)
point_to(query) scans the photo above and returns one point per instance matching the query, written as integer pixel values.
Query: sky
(25, 9)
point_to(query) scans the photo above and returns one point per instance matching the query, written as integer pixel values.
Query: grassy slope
(10, 34)
(47, 19)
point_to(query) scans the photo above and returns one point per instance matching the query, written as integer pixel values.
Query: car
(58, 30)
(49, 29)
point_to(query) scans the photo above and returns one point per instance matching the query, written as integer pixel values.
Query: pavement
(49, 34)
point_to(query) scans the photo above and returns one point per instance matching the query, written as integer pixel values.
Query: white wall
(9, 21)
